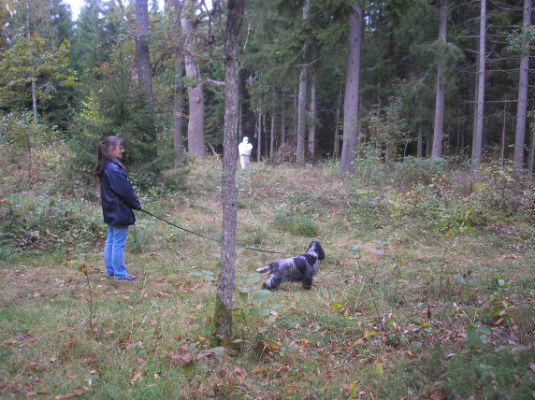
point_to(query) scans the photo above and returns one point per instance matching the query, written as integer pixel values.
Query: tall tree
(144, 70)
(194, 82)
(178, 86)
(440, 86)
(301, 101)
(351, 99)
(225, 281)
(477, 142)
(520, 132)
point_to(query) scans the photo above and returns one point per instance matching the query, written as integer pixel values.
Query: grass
(376, 324)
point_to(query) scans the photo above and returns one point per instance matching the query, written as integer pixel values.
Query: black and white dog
(294, 269)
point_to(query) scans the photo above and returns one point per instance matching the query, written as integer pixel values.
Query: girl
(118, 200)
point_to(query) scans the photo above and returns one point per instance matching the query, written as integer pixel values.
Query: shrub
(413, 171)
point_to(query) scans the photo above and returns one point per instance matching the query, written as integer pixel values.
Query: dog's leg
(272, 282)
(307, 281)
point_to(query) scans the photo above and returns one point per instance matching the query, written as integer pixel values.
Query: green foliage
(46, 223)
(299, 224)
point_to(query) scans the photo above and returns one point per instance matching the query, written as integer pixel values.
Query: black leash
(207, 237)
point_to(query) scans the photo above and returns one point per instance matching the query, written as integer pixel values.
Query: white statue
(245, 149)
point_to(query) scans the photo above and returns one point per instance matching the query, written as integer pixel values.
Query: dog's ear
(321, 253)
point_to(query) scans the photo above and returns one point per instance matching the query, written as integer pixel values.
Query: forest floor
(409, 303)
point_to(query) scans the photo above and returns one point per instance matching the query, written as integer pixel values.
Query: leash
(208, 237)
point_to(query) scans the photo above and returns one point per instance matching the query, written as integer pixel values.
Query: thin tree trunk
(30, 59)
(420, 145)
(301, 106)
(502, 147)
(531, 158)
(440, 87)
(351, 99)
(179, 88)
(259, 137)
(195, 93)
(272, 137)
(478, 138)
(283, 127)
(313, 117)
(34, 92)
(229, 193)
(520, 132)
(336, 147)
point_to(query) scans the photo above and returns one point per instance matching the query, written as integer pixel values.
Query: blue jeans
(113, 251)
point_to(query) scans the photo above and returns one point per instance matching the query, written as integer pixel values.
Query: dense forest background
(156, 77)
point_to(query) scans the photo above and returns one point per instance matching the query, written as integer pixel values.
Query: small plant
(299, 224)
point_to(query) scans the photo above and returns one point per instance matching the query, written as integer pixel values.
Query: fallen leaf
(137, 376)
(182, 360)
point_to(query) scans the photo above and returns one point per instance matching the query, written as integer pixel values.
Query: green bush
(414, 171)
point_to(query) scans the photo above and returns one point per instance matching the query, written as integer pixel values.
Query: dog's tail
(264, 269)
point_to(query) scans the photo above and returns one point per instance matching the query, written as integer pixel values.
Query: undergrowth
(426, 290)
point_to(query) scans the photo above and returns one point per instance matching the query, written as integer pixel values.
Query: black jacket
(117, 195)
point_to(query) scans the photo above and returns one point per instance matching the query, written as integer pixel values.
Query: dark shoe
(126, 278)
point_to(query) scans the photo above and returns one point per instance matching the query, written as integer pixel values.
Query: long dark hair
(103, 152)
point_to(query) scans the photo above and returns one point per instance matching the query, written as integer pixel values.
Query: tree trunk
(313, 117)
(531, 158)
(177, 114)
(520, 132)
(502, 147)
(34, 92)
(195, 94)
(439, 104)
(179, 87)
(478, 137)
(283, 127)
(272, 137)
(229, 193)
(301, 105)
(351, 100)
(144, 70)
(336, 146)
(32, 66)
(259, 137)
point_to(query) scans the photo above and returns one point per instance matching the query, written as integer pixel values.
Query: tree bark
(32, 66)
(283, 127)
(179, 87)
(477, 141)
(351, 99)
(194, 85)
(336, 146)
(225, 281)
(313, 117)
(520, 132)
(259, 137)
(301, 105)
(439, 104)
(272, 137)
(144, 70)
